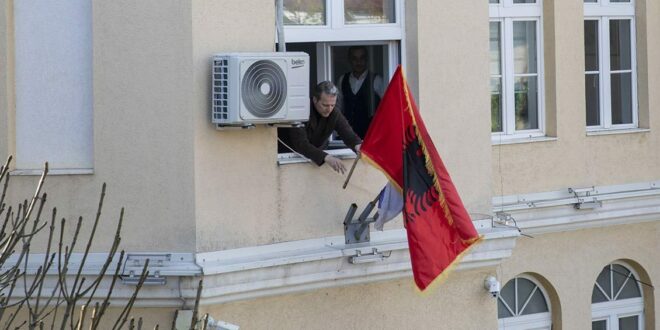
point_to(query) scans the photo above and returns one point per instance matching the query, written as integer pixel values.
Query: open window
(330, 31)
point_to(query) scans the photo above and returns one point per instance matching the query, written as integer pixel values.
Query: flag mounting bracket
(357, 230)
(374, 256)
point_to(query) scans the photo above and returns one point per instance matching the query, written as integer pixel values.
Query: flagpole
(350, 173)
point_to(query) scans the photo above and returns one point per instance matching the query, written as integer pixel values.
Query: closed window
(522, 304)
(516, 75)
(616, 300)
(610, 65)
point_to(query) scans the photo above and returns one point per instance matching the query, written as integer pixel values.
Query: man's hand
(357, 148)
(335, 163)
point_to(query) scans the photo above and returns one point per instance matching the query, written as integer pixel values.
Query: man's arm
(346, 132)
(300, 143)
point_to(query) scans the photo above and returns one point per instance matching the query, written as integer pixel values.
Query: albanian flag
(439, 228)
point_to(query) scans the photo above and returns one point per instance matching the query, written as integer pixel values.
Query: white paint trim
(554, 211)
(281, 268)
(56, 171)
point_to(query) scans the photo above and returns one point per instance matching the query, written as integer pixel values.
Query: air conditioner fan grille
(264, 88)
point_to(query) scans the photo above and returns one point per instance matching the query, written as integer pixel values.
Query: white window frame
(506, 12)
(613, 310)
(336, 33)
(531, 321)
(603, 11)
(336, 30)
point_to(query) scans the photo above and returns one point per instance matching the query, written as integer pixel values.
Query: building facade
(119, 92)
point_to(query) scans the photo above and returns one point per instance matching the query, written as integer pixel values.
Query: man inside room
(311, 140)
(361, 90)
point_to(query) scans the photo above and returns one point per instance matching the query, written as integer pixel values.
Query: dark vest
(358, 108)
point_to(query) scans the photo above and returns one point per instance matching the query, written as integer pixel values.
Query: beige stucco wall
(453, 68)
(459, 303)
(142, 128)
(243, 198)
(569, 261)
(575, 159)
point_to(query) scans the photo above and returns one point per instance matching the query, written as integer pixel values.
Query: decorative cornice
(580, 208)
(284, 268)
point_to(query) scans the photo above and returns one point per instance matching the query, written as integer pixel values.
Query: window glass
(626, 1)
(591, 45)
(604, 281)
(496, 77)
(629, 290)
(525, 85)
(502, 310)
(524, 1)
(536, 304)
(629, 323)
(524, 46)
(621, 98)
(620, 45)
(369, 11)
(592, 78)
(597, 295)
(599, 325)
(590, 1)
(493, 1)
(304, 12)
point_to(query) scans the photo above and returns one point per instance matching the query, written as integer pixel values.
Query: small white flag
(390, 204)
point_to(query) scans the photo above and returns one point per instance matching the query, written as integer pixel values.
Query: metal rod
(350, 173)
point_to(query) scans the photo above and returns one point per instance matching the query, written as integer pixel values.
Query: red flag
(439, 228)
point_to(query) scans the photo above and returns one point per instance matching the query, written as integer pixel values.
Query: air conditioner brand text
(297, 63)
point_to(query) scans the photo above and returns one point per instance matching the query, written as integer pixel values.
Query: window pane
(368, 11)
(591, 45)
(604, 280)
(495, 49)
(629, 323)
(622, 98)
(620, 45)
(592, 90)
(508, 294)
(597, 296)
(536, 305)
(627, 1)
(592, 1)
(493, 1)
(630, 290)
(495, 104)
(524, 46)
(524, 1)
(304, 12)
(619, 276)
(599, 325)
(525, 288)
(526, 97)
(502, 311)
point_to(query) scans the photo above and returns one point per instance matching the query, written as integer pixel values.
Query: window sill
(293, 158)
(57, 171)
(516, 140)
(617, 131)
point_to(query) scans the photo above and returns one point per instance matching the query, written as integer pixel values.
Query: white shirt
(356, 83)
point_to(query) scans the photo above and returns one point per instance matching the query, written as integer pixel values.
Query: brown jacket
(310, 140)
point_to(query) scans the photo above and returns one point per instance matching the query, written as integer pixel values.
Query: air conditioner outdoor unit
(260, 88)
